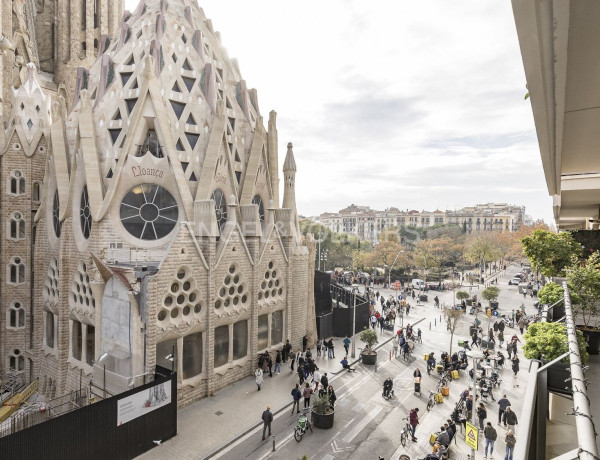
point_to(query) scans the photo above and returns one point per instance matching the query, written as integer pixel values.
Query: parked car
(515, 281)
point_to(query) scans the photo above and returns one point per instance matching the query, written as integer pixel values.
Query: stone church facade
(140, 201)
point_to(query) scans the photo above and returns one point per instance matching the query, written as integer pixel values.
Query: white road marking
(363, 423)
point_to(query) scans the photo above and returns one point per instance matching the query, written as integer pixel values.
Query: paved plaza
(366, 425)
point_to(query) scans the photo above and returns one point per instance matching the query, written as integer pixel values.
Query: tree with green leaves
(462, 295)
(550, 253)
(548, 341)
(481, 248)
(490, 293)
(584, 280)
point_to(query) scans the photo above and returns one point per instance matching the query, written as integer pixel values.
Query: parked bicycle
(431, 400)
(406, 432)
(302, 425)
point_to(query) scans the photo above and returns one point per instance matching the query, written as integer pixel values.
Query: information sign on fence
(471, 435)
(141, 403)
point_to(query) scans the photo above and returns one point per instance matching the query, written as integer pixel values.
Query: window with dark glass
(76, 338)
(164, 351)
(221, 345)
(56, 214)
(263, 332)
(49, 329)
(149, 212)
(85, 214)
(240, 339)
(192, 355)
(257, 200)
(90, 344)
(276, 327)
(220, 207)
(151, 145)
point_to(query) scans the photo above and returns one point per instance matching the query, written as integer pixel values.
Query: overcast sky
(416, 105)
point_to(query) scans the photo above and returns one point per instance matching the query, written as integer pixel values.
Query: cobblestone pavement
(366, 425)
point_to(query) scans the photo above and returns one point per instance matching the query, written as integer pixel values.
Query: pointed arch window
(36, 191)
(16, 361)
(85, 214)
(56, 215)
(257, 200)
(220, 207)
(16, 271)
(151, 145)
(15, 316)
(16, 183)
(16, 226)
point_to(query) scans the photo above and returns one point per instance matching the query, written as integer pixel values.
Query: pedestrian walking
(267, 418)
(258, 375)
(394, 348)
(515, 364)
(503, 403)
(500, 338)
(373, 321)
(287, 348)
(325, 380)
(296, 395)
(510, 442)
(265, 363)
(474, 339)
(481, 414)
(292, 360)
(346, 344)
(307, 392)
(521, 324)
(413, 419)
(330, 351)
(269, 364)
(318, 347)
(301, 373)
(278, 362)
(490, 437)
(509, 349)
(510, 418)
(304, 343)
(332, 396)
(316, 379)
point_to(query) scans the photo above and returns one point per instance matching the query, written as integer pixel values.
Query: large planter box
(469, 302)
(493, 305)
(592, 338)
(422, 297)
(557, 374)
(322, 421)
(369, 358)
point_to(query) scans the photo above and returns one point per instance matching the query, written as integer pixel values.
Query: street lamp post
(354, 324)
(476, 355)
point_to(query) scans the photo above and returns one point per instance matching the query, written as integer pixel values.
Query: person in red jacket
(414, 421)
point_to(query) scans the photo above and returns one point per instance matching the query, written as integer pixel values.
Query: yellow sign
(489, 313)
(471, 435)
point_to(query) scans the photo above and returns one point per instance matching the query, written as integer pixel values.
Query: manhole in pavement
(219, 413)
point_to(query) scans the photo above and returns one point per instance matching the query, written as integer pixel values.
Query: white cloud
(407, 104)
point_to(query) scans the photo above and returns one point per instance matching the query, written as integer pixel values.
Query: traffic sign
(471, 435)
(397, 285)
(489, 312)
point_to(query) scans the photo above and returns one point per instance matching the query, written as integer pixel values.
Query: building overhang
(558, 41)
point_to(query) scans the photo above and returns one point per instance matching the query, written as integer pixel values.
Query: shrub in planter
(322, 412)
(550, 253)
(490, 294)
(462, 295)
(547, 341)
(584, 281)
(369, 337)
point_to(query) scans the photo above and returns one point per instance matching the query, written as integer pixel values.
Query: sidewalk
(212, 422)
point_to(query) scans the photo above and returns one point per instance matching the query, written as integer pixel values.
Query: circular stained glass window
(220, 207)
(85, 214)
(56, 214)
(149, 212)
(257, 200)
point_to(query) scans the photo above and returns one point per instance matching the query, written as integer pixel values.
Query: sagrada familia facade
(142, 222)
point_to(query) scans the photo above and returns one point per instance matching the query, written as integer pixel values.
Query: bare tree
(453, 318)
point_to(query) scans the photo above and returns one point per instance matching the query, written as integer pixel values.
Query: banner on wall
(143, 402)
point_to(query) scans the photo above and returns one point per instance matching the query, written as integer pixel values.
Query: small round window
(85, 214)
(56, 214)
(220, 207)
(149, 212)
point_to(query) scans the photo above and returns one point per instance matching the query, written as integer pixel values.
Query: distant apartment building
(367, 223)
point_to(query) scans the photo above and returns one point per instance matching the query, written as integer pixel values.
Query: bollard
(435, 321)
(429, 325)
(440, 318)
(273, 443)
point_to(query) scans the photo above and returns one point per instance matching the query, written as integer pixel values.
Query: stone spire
(289, 188)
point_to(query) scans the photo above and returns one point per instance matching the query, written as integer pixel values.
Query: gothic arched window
(15, 315)
(16, 226)
(16, 271)
(56, 215)
(85, 214)
(16, 183)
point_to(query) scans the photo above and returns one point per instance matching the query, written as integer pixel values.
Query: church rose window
(220, 207)
(149, 212)
(85, 215)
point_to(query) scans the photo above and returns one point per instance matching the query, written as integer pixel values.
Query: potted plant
(491, 294)
(369, 337)
(462, 295)
(584, 281)
(548, 341)
(322, 413)
(549, 295)
(549, 252)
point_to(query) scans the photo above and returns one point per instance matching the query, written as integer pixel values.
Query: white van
(418, 284)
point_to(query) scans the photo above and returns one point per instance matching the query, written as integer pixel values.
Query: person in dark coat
(413, 419)
(304, 343)
(332, 396)
(296, 394)
(267, 418)
(515, 364)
